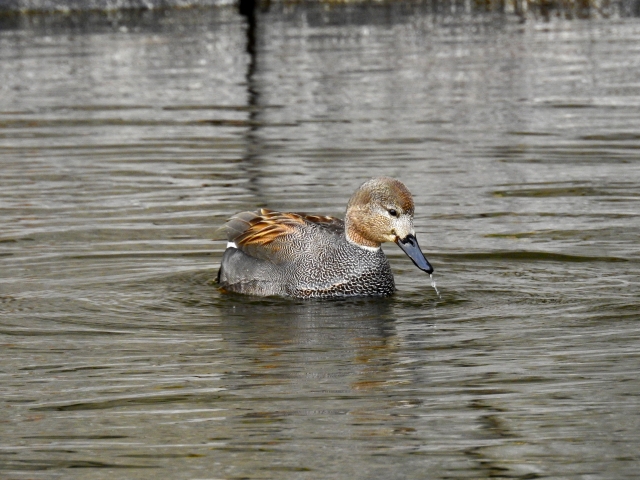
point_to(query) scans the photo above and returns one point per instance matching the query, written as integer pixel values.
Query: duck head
(381, 210)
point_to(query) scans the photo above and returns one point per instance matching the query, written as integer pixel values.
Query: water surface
(126, 140)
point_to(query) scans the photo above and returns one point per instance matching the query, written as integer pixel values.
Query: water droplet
(433, 284)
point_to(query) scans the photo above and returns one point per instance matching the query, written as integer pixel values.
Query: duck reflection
(340, 345)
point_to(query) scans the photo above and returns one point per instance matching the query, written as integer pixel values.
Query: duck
(299, 255)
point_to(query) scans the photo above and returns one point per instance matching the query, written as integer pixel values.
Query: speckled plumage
(311, 256)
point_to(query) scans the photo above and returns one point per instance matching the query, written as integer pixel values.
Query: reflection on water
(127, 139)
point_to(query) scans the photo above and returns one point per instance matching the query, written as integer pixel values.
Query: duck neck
(355, 236)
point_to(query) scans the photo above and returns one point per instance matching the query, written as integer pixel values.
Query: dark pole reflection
(248, 9)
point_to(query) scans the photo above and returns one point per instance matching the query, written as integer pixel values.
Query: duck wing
(331, 224)
(277, 236)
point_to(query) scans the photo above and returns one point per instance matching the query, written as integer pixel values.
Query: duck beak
(409, 245)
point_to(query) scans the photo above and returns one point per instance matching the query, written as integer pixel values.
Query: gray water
(127, 139)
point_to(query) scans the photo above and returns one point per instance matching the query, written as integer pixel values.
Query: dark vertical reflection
(248, 9)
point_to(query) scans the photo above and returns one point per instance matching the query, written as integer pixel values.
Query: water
(126, 140)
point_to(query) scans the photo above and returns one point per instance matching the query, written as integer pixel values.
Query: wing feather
(269, 235)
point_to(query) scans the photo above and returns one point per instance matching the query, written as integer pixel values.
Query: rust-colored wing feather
(271, 235)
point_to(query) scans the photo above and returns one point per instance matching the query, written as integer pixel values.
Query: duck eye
(392, 212)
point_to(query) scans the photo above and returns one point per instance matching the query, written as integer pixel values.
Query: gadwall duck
(312, 256)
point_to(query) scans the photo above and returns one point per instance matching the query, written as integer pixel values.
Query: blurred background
(129, 132)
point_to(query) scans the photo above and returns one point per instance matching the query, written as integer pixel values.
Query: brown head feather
(368, 221)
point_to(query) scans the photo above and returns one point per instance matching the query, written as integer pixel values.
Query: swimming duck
(312, 256)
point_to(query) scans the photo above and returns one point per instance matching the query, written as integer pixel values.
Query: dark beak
(409, 245)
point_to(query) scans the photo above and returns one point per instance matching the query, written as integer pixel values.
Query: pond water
(127, 139)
